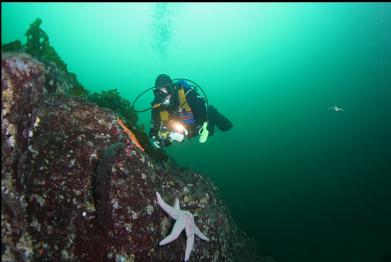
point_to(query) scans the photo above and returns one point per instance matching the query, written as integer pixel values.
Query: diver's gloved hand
(174, 136)
(204, 133)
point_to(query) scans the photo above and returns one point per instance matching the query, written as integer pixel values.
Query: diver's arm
(155, 123)
(154, 130)
(197, 105)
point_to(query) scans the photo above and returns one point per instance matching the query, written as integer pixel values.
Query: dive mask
(163, 94)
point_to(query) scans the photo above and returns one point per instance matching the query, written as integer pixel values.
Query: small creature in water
(335, 108)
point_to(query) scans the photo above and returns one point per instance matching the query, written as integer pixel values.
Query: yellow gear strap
(164, 115)
(182, 100)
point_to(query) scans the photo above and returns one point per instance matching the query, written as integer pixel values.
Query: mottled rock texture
(75, 188)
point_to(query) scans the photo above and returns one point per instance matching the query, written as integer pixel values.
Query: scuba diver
(178, 111)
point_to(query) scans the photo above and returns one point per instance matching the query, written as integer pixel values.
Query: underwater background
(307, 182)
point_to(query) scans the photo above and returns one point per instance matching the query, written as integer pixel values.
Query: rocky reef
(74, 187)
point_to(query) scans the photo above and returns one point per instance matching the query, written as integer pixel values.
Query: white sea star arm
(176, 230)
(176, 205)
(189, 246)
(172, 212)
(198, 232)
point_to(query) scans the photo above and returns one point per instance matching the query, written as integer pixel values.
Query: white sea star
(184, 220)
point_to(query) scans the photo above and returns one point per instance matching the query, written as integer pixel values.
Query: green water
(308, 183)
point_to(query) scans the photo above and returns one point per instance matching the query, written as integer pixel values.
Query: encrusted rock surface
(75, 188)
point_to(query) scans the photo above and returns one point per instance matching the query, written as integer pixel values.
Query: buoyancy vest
(184, 112)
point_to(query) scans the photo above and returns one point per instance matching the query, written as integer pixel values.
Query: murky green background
(308, 183)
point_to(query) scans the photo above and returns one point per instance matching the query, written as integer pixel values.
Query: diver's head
(162, 80)
(163, 89)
